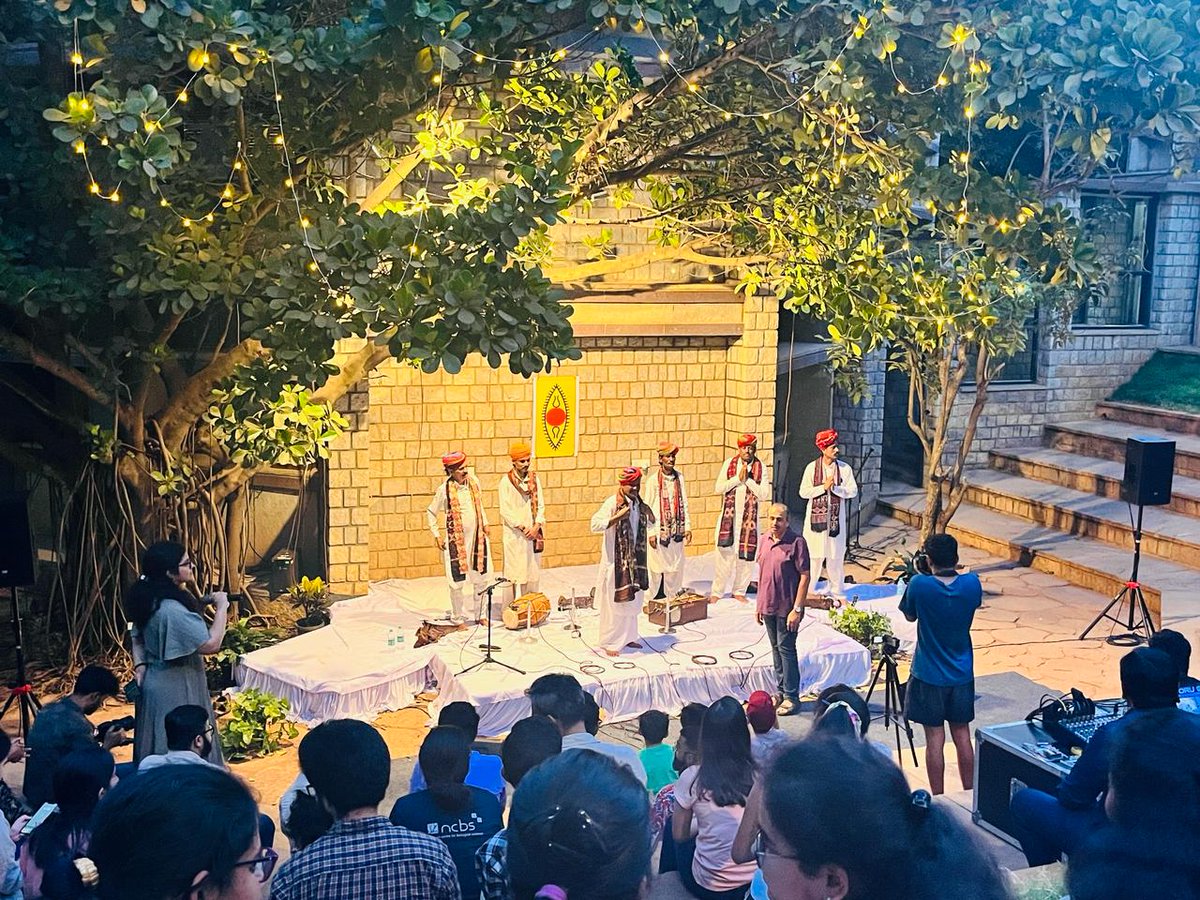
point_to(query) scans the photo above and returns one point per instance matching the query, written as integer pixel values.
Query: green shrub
(240, 638)
(861, 625)
(256, 725)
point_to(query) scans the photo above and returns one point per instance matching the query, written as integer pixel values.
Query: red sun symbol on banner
(556, 417)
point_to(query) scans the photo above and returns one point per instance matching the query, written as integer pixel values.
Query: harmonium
(686, 606)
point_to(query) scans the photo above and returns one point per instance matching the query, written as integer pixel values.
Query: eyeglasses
(185, 563)
(261, 866)
(762, 851)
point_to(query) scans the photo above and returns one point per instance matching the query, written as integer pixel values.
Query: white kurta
(667, 558)
(618, 621)
(460, 591)
(521, 565)
(730, 573)
(823, 549)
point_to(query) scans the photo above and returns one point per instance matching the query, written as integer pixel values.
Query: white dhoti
(666, 558)
(730, 573)
(522, 566)
(826, 552)
(463, 604)
(618, 621)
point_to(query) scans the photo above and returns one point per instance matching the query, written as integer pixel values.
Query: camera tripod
(1140, 625)
(893, 708)
(488, 647)
(20, 690)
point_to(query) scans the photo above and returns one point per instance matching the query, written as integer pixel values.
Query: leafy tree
(182, 257)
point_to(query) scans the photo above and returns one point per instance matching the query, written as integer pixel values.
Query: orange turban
(519, 450)
(629, 475)
(826, 438)
(668, 448)
(746, 440)
(454, 459)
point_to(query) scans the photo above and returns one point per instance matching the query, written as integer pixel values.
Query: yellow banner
(555, 415)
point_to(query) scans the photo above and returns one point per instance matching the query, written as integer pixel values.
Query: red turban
(746, 440)
(667, 447)
(826, 438)
(519, 450)
(454, 459)
(629, 475)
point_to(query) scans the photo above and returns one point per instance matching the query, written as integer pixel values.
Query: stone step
(1169, 587)
(1100, 477)
(1165, 534)
(1106, 440)
(1173, 420)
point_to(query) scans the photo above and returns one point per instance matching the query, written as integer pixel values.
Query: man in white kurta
(466, 553)
(665, 495)
(523, 515)
(742, 484)
(622, 576)
(826, 483)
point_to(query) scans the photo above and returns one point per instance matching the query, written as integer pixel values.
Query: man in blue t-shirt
(942, 685)
(485, 767)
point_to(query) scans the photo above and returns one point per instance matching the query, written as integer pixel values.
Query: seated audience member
(190, 736)
(713, 793)
(822, 796)
(62, 727)
(1049, 826)
(363, 855)
(1153, 807)
(463, 817)
(687, 754)
(189, 739)
(563, 699)
(11, 806)
(657, 755)
(48, 855)
(579, 828)
(179, 832)
(593, 715)
(765, 734)
(307, 820)
(1176, 646)
(844, 713)
(485, 767)
(531, 741)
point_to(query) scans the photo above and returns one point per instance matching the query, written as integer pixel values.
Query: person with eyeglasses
(579, 828)
(170, 641)
(202, 828)
(836, 821)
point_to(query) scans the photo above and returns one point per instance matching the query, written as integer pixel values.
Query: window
(1122, 228)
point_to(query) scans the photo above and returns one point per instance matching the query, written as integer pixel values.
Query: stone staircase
(1057, 508)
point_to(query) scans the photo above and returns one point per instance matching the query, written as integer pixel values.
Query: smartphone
(47, 810)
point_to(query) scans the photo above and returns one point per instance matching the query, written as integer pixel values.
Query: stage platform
(347, 670)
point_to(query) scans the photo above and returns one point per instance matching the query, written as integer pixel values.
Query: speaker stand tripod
(1138, 622)
(893, 709)
(489, 646)
(20, 690)
(855, 551)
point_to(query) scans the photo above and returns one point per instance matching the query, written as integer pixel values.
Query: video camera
(125, 723)
(921, 563)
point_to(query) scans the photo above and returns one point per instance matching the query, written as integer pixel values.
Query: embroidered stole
(456, 540)
(825, 510)
(630, 573)
(530, 487)
(670, 514)
(748, 539)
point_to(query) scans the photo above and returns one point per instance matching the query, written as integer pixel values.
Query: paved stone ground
(1029, 624)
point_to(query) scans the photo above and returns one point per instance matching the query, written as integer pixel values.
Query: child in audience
(765, 734)
(484, 770)
(657, 756)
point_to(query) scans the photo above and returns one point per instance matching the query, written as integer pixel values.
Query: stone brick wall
(700, 391)
(1176, 268)
(860, 428)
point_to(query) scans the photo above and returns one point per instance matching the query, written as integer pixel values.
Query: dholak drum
(526, 611)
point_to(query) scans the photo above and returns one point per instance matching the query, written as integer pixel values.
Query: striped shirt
(369, 859)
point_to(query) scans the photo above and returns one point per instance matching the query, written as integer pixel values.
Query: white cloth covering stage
(347, 670)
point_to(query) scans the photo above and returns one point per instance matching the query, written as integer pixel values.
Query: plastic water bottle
(399, 639)
(391, 637)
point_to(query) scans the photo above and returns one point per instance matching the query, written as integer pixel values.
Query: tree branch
(26, 351)
(180, 414)
(577, 273)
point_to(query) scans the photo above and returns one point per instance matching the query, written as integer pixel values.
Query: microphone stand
(489, 646)
(855, 551)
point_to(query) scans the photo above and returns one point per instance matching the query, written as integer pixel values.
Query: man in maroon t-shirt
(783, 577)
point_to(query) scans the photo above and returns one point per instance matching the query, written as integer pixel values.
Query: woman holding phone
(170, 640)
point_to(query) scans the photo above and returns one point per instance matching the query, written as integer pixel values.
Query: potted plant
(868, 627)
(241, 637)
(312, 597)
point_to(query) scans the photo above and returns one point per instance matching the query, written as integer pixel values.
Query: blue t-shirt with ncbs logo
(463, 832)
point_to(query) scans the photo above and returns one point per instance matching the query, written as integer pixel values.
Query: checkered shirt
(369, 859)
(491, 865)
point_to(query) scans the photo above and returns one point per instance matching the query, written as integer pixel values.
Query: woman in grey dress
(170, 638)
